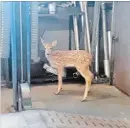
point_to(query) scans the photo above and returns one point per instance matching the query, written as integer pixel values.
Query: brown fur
(79, 59)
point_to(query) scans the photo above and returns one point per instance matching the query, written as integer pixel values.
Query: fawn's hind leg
(88, 76)
(60, 71)
(88, 80)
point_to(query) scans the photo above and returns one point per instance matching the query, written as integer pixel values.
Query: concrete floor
(103, 100)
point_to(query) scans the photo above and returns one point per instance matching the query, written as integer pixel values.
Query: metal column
(112, 51)
(21, 86)
(85, 26)
(87, 32)
(28, 42)
(34, 31)
(25, 82)
(21, 43)
(14, 55)
(75, 24)
(95, 37)
(106, 59)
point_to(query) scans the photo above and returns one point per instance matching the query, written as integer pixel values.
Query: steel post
(106, 60)
(95, 37)
(14, 53)
(87, 33)
(75, 24)
(28, 41)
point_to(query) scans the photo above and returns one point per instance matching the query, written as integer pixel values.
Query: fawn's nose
(48, 51)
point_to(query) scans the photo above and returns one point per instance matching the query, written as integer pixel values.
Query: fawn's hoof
(57, 93)
(84, 99)
(89, 90)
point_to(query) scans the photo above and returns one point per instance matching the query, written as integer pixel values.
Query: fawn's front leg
(60, 71)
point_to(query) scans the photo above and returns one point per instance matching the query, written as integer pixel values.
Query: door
(122, 47)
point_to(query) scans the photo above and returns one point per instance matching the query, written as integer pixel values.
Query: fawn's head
(48, 46)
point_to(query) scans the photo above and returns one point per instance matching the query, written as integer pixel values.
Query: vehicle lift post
(21, 89)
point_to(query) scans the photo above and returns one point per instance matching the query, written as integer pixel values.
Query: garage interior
(100, 28)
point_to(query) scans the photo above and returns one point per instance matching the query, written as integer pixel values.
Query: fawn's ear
(54, 43)
(42, 41)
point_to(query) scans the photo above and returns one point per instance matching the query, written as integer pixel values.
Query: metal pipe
(95, 37)
(112, 28)
(95, 23)
(97, 58)
(113, 19)
(21, 41)
(112, 57)
(97, 41)
(19, 95)
(76, 33)
(109, 44)
(50, 69)
(34, 31)
(75, 24)
(53, 70)
(83, 27)
(111, 32)
(28, 42)
(76, 30)
(82, 10)
(106, 61)
(6, 62)
(87, 25)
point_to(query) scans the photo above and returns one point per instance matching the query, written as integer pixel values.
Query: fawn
(79, 59)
